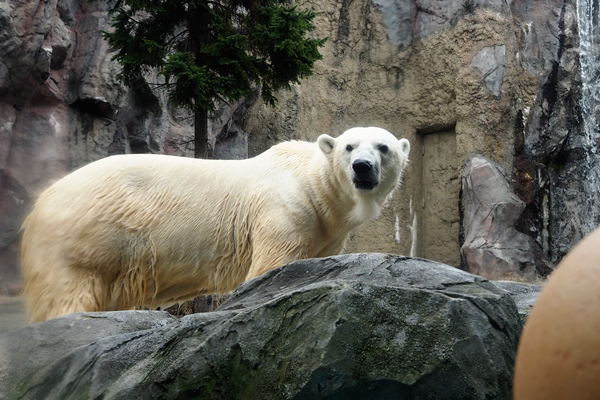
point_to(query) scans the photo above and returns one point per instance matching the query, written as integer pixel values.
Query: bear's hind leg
(61, 295)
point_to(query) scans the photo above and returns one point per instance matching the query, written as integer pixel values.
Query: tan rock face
(457, 78)
(450, 88)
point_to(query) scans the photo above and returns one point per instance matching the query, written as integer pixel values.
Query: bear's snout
(362, 167)
(365, 176)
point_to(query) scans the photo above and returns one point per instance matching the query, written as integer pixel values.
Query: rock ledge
(334, 328)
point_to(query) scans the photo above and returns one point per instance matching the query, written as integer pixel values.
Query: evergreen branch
(184, 32)
(211, 51)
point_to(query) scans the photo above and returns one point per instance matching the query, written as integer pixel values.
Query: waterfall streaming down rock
(589, 37)
(574, 173)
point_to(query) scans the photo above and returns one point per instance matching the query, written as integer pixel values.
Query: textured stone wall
(504, 77)
(501, 76)
(62, 107)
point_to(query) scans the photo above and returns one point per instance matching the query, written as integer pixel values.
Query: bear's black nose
(362, 167)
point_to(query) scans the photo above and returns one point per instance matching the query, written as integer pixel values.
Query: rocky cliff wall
(497, 79)
(464, 78)
(61, 107)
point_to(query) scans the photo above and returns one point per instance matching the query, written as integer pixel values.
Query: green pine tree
(213, 50)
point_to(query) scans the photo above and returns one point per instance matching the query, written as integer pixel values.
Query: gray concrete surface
(12, 314)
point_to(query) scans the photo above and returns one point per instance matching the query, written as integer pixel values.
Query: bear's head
(368, 160)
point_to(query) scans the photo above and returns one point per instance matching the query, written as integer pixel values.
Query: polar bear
(148, 230)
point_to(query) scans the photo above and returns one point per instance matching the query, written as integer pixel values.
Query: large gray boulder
(348, 327)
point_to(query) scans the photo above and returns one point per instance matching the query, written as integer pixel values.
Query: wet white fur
(148, 230)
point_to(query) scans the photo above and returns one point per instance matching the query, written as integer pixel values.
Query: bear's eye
(383, 149)
(349, 148)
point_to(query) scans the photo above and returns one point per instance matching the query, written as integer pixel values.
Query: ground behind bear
(12, 313)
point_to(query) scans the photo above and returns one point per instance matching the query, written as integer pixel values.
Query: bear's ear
(405, 146)
(326, 144)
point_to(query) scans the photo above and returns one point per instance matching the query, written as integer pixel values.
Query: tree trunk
(201, 148)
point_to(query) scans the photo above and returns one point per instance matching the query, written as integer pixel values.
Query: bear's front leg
(265, 259)
(272, 248)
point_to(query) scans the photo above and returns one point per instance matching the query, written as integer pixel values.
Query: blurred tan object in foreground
(559, 352)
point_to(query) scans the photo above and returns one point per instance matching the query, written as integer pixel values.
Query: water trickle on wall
(588, 20)
(570, 206)
(589, 58)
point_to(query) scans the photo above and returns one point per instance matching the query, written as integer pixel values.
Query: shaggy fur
(147, 230)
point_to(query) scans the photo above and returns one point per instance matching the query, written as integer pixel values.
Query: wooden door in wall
(440, 221)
